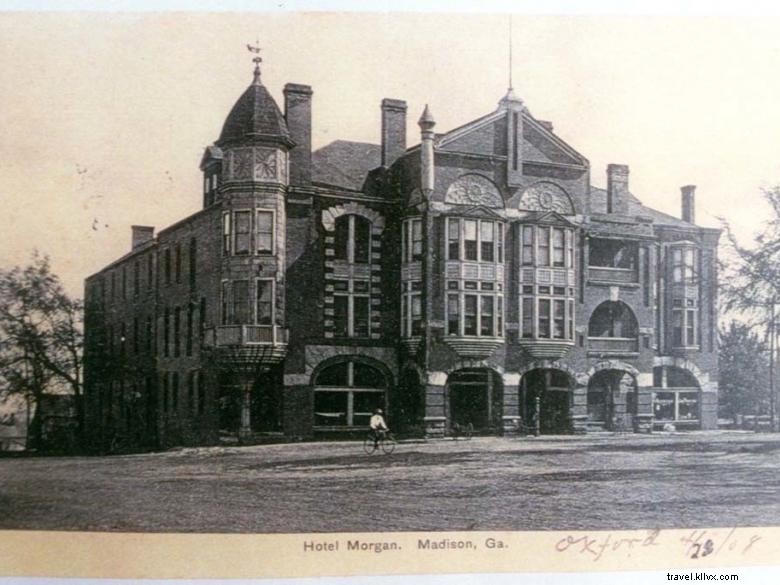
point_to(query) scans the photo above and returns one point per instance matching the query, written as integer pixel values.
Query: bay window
(411, 240)
(245, 230)
(474, 313)
(411, 309)
(242, 223)
(475, 240)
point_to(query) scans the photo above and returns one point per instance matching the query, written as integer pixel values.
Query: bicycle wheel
(388, 444)
(369, 446)
(468, 430)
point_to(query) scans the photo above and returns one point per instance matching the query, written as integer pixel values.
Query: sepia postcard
(290, 294)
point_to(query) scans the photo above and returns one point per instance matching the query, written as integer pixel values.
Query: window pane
(558, 247)
(688, 406)
(404, 313)
(241, 302)
(470, 239)
(487, 241)
(330, 408)
(677, 328)
(453, 313)
(362, 240)
(571, 320)
(500, 317)
(528, 245)
(341, 239)
(416, 315)
(500, 243)
(226, 320)
(544, 318)
(364, 404)
(453, 239)
(226, 233)
(528, 317)
(690, 326)
(361, 317)
(364, 376)
(486, 316)
(663, 409)
(417, 244)
(264, 298)
(559, 319)
(405, 242)
(242, 223)
(470, 315)
(340, 310)
(335, 375)
(265, 231)
(543, 247)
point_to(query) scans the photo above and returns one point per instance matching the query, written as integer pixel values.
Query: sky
(104, 117)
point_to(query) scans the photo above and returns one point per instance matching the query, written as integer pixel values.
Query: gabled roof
(345, 163)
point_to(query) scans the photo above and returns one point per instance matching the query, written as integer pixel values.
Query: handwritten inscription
(697, 544)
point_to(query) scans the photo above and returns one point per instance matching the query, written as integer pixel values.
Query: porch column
(643, 421)
(510, 419)
(435, 419)
(245, 426)
(578, 409)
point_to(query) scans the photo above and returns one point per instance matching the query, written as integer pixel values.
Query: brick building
(476, 277)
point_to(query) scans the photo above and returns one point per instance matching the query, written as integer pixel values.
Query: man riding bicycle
(377, 426)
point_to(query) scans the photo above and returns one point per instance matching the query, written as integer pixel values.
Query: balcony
(473, 347)
(546, 349)
(610, 275)
(613, 346)
(247, 345)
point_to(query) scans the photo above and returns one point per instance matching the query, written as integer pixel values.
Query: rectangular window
(417, 240)
(571, 321)
(404, 314)
(528, 317)
(487, 241)
(469, 314)
(175, 392)
(528, 245)
(167, 266)
(341, 238)
(361, 317)
(690, 328)
(500, 317)
(677, 269)
(264, 308)
(341, 315)
(453, 239)
(149, 335)
(469, 239)
(150, 272)
(164, 377)
(544, 318)
(405, 257)
(241, 305)
(178, 262)
(677, 327)
(416, 303)
(543, 247)
(558, 247)
(242, 223)
(136, 332)
(193, 258)
(690, 263)
(265, 232)
(486, 316)
(137, 277)
(226, 233)
(202, 317)
(500, 243)
(570, 249)
(166, 332)
(225, 302)
(124, 281)
(453, 315)
(190, 317)
(191, 390)
(176, 331)
(559, 319)
(113, 285)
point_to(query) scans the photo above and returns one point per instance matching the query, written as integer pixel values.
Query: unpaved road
(595, 482)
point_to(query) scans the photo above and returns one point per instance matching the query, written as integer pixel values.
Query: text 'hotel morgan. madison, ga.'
(475, 277)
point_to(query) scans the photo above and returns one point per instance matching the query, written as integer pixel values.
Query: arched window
(347, 393)
(613, 319)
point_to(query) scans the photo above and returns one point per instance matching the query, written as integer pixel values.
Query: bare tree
(41, 335)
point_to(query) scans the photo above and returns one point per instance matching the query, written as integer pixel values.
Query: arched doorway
(611, 402)
(475, 397)
(676, 398)
(552, 388)
(346, 393)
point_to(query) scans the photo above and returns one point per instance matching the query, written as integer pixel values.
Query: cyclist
(377, 426)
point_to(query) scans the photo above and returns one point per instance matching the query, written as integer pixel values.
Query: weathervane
(255, 49)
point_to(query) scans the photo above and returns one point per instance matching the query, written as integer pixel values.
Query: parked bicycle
(383, 441)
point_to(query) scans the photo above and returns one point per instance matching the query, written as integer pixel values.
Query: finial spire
(510, 53)
(255, 49)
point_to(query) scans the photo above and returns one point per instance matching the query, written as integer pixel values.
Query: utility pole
(772, 395)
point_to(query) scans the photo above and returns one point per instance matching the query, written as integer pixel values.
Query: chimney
(142, 234)
(393, 130)
(617, 189)
(297, 113)
(426, 123)
(688, 196)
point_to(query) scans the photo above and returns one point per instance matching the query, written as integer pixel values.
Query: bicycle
(462, 431)
(386, 442)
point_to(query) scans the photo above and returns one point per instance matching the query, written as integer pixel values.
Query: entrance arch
(611, 400)
(475, 396)
(553, 388)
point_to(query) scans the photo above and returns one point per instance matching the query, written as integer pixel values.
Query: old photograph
(322, 273)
